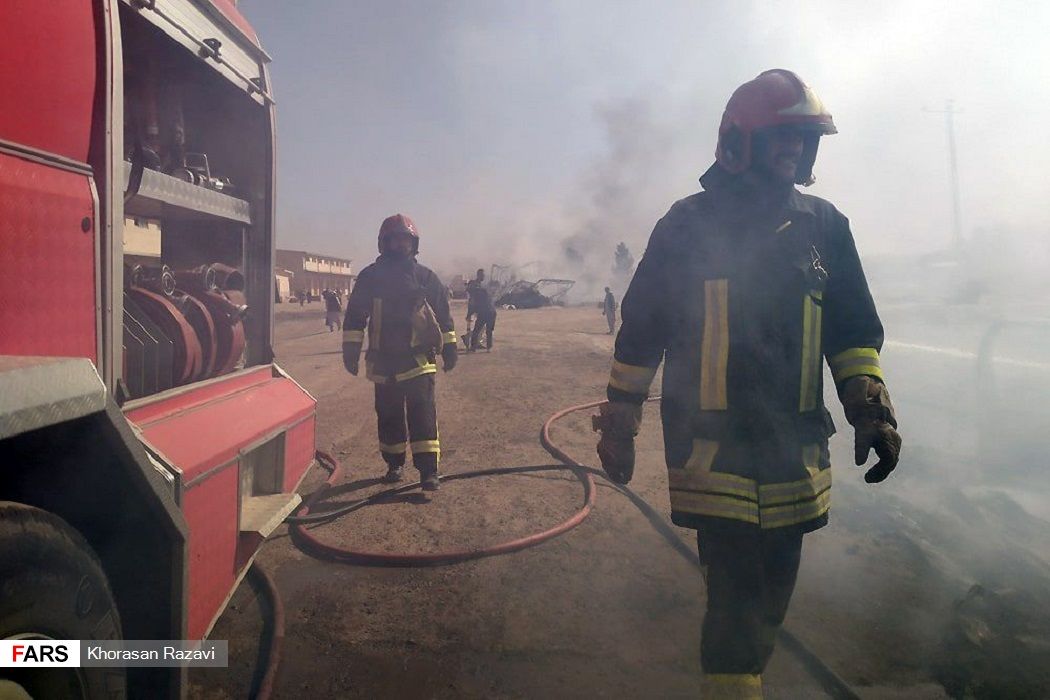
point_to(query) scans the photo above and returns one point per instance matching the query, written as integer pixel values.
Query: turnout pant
(750, 579)
(486, 321)
(412, 399)
(610, 316)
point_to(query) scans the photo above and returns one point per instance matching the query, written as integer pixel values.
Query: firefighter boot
(430, 481)
(394, 474)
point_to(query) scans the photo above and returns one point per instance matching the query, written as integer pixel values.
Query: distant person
(302, 297)
(744, 289)
(609, 310)
(333, 317)
(480, 306)
(405, 307)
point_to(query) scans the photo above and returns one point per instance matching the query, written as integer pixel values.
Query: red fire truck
(148, 440)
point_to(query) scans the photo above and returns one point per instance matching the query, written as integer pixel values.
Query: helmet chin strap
(804, 175)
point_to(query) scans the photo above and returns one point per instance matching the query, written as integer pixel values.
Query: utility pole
(949, 112)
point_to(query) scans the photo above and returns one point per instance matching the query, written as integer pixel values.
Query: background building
(283, 284)
(313, 272)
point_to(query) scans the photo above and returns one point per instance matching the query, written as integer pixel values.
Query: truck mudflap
(237, 447)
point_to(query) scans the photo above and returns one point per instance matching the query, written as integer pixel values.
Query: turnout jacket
(384, 298)
(479, 300)
(741, 301)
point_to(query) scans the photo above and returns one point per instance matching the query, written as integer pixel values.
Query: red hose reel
(201, 310)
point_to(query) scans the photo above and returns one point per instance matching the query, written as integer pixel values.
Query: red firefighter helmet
(776, 97)
(398, 223)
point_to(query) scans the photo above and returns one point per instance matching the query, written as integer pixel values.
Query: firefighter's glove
(352, 357)
(449, 356)
(618, 422)
(867, 405)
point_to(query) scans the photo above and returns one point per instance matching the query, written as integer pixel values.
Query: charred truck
(148, 440)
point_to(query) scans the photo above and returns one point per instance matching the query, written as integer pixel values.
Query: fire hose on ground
(832, 684)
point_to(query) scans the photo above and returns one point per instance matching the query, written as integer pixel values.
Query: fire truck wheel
(52, 587)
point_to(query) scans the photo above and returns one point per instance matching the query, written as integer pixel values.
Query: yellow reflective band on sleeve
(426, 446)
(398, 449)
(714, 357)
(353, 336)
(449, 337)
(855, 361)
(631, 378)
(810, 378)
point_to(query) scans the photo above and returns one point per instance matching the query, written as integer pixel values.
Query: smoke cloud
(516, 132)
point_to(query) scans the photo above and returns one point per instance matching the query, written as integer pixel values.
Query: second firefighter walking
(405, 308)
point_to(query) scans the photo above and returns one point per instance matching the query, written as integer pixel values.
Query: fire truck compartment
(214, 32)
(238, 445)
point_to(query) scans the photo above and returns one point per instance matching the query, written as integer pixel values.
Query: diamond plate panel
(36, 392)
(47, 261)
(158, 187)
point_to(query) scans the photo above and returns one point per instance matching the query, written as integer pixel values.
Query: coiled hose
(834, 685)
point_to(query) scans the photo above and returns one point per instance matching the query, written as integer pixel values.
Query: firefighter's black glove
(449, 356)
(618, 422)
(352, 357)
(867, 405)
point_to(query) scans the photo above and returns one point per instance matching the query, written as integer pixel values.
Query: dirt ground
(606, 610)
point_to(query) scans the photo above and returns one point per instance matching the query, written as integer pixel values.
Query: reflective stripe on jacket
(383, 299)
(741, 302)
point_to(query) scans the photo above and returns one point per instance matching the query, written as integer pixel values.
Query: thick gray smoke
(516, 132)
(615, 201)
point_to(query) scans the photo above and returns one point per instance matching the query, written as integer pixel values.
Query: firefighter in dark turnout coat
(742, 292)
(393, 296)
(479, 305)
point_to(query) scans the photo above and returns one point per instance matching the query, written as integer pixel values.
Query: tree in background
(623, 268)
(624, 264)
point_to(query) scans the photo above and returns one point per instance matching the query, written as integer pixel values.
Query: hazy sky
(505, 127)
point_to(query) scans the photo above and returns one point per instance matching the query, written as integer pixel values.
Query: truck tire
(52, 587)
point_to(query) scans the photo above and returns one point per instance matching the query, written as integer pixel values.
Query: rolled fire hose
(203, 324)
(227, 309)
(188, 355)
